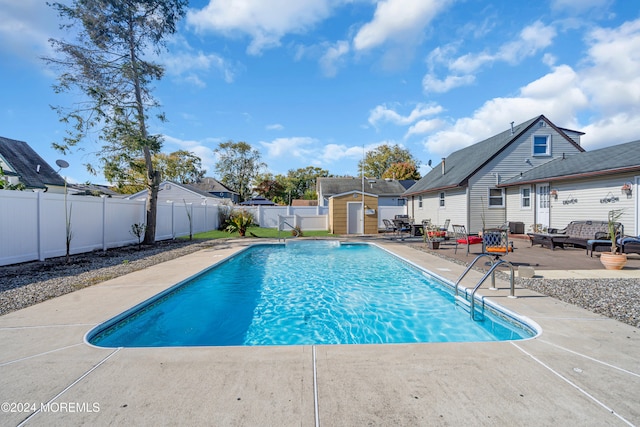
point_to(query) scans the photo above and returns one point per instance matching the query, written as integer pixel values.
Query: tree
(107, 65)
(268, 186)
(301, 181)
(378, 161)
(402, 170)
(237, 166)
(128, 174)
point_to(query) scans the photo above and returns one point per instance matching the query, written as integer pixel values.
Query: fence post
(39, 217)
(104, 223)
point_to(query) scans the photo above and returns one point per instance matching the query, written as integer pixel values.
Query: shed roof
(614, 159)
(25, 161)
(462, 164)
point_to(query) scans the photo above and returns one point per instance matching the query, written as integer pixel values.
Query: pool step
(463, 302)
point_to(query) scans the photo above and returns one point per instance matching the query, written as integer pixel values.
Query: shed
(345, 213)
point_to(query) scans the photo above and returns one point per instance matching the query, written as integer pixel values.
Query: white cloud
(395, 20)
(531, 40)
(275, 126)
(557, 95)
(301, 147)
(335, 152)
(383, 114)
(194, 64)
(202, 149)
(266, 22)
(424, 126)
(430, 83)
(333, 57)
(25, 28)
(613, 76)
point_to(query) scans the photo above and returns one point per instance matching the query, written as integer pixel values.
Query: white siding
(592, 199)
(515, 211)
(506, 165)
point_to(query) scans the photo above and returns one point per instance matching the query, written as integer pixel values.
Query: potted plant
(613, 260)
(433, 236)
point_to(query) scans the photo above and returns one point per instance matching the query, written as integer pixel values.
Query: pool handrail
(491, 272)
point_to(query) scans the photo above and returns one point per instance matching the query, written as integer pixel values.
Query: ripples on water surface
(305, 293)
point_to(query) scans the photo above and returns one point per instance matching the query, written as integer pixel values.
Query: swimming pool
(318, 292)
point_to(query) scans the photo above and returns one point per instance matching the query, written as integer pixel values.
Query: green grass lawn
(257, 232)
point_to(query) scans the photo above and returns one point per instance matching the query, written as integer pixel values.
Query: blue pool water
(304, 293)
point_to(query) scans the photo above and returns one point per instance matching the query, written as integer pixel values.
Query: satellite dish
(62, 163)
(429, 163)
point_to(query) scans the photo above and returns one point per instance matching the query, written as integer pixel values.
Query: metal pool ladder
(281, 223)
(491, 272)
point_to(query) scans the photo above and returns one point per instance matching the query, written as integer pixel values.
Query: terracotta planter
(613, 261)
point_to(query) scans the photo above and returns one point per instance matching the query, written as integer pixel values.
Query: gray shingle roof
(617, 158)
(212, 185)
(21, 157)
(381, 187)
(462, 164)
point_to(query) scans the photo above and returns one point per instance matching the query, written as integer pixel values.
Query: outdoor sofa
(577, 234)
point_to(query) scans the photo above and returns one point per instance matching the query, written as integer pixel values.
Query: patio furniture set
(591, 235)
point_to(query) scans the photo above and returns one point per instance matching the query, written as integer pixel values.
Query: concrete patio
(583, 369)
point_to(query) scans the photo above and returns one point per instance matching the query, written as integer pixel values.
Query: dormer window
(541, 145)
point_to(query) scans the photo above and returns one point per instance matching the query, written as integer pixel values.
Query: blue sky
(310, 83)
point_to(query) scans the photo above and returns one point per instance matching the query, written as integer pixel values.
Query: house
(465, 186)
(389, 191)
(22, 165)
(585, 186)
(170, 191)
(216, 189)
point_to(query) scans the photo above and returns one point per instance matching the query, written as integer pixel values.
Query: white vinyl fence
(32, 224)
(33, 227)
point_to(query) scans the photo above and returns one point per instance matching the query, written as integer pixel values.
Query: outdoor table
(548, 240)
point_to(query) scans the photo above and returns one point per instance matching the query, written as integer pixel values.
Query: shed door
(542, 204)
(354, 218)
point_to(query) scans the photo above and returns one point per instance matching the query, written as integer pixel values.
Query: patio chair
(388, 226)
(445, 226)
(401, 227)
(495, 241)
(461, 237)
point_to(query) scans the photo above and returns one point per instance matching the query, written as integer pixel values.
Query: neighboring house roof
(615, 159)
(258, 201)
(30, 168)
(380, 187)
(92, 190)
(185, 187)
(212, 185)
(463, 164)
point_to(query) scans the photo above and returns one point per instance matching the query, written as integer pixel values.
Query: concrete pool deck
(584, 369)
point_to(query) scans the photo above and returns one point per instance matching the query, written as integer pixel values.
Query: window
(496, 198)
(542, 145)
(442, 199)
(525, 197)
(419, 201)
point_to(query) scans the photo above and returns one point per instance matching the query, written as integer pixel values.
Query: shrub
(239, 221)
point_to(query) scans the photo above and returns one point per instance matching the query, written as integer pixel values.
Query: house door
(542, 205)
(354, 218)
